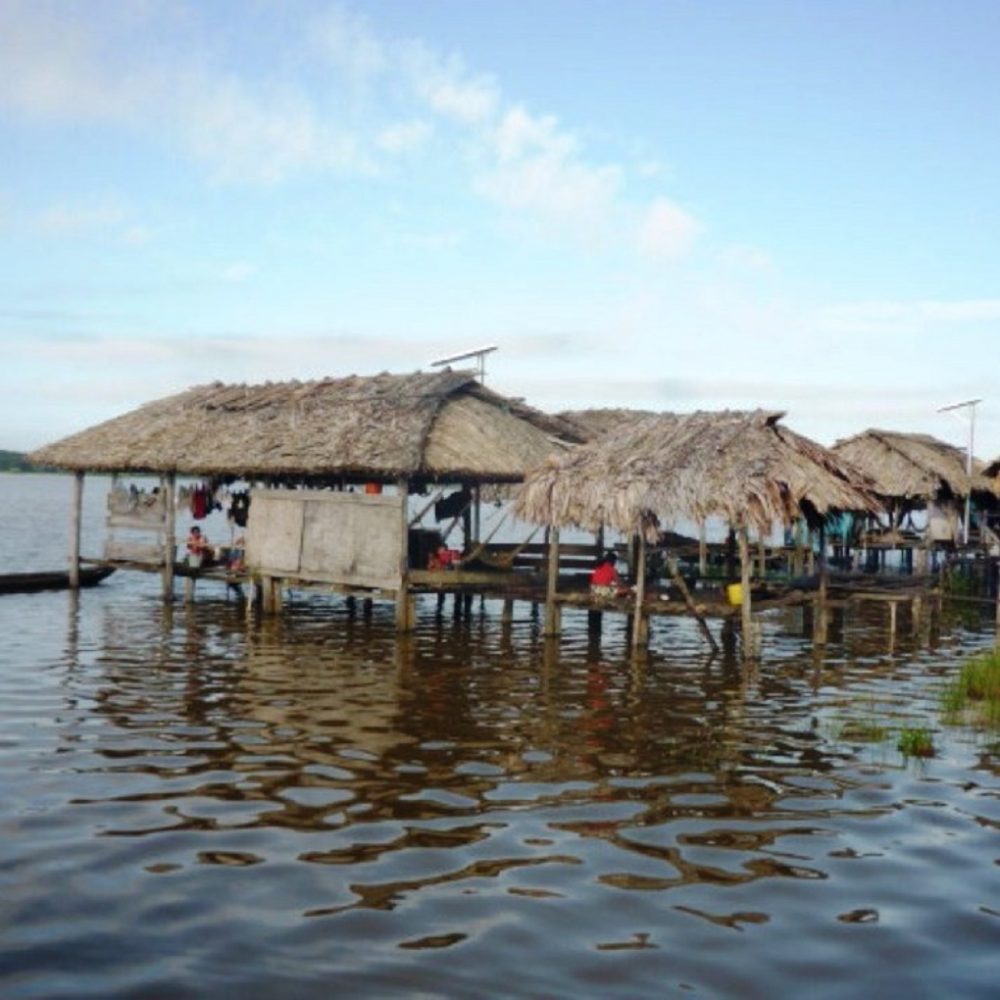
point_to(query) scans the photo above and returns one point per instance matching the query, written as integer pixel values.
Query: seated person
(604, 580)
(444, 558)
(198, 550)
(237, 555)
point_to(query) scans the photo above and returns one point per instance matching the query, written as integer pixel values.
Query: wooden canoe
(25, 583)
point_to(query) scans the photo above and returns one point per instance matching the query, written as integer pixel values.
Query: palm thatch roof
(911, 466)
(439, 425)
(594, 423)
(742, 466)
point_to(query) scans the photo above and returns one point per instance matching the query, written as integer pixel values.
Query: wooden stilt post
(762, 556)
(405, 607)
(640, 630)
(507, 613)
(819, 619)
(746, 608)
(682, 586)
(75, 524)
(553, 614)
(998, 615)
(595, 619)
(467, 539)
(702, 549)
(169, 486)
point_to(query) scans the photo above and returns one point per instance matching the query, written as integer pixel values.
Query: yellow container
(734, 593)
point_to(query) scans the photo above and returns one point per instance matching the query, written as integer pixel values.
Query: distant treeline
(14, 461)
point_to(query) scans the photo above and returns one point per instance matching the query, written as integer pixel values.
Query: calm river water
(195, 806)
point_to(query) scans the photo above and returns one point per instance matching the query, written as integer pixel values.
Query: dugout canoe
(26, 583)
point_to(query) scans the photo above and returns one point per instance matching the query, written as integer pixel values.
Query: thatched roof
(741, 466)
(439, 425)
(594, 423)
(911, 466)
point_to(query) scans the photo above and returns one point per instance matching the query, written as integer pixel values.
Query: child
(197, 547)
(604, 580)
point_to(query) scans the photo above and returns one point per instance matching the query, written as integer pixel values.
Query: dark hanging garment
(199, 503)
(452, 505)
(240, 509)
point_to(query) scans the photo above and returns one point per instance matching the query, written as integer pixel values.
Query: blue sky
(668, 205)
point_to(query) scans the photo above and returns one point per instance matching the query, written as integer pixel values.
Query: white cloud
(136, 236)
(746, 258)
(666, 230)
(239, 271)
(446, 87)
(53, 67)
(294, 116)
(536, 169)
(64, 218)
(99, 216)
(903, 318)
(443, 240)
(349, 43)
(403, 137)
(247, 136)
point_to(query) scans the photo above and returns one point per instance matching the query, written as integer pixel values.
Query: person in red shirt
(604, 580)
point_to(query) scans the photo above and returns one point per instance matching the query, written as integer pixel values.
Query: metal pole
(76, 520)
(971, 404)
(968, 471)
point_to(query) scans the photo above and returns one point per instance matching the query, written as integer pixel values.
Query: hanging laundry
(452, 505)
(200, 502)
(239, 508)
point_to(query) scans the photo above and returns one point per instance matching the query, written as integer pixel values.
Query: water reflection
(484, 792)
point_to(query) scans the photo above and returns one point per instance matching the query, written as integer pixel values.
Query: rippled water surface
(194, 804)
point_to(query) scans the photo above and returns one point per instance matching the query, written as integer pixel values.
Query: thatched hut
(744, 467)
(403, 430)
(916, 472)
(591, 424)
(440, 426)
(910, 467)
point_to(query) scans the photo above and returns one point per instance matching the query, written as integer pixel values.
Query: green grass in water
(915, 741)
(974, 696)
(862, 731)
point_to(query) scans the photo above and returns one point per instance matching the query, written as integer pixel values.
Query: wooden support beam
(168, 484)
(423, 510)
(507, 614)
(997, 641)
(702, 549)
(75, 525)
(682, 586)
(553, 616)
(405, 607)
(819, 619)
(746, 618)
(640, 629)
